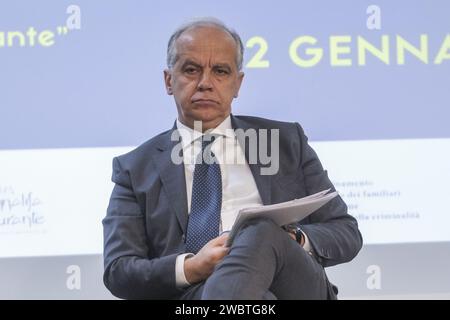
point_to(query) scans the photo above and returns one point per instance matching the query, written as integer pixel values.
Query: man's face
(205, 77)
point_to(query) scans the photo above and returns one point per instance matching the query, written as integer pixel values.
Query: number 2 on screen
(257, 60)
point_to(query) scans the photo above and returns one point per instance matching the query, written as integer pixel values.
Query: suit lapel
(173, 179)
(263, 182)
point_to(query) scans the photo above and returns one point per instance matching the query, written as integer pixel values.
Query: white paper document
(283, 213)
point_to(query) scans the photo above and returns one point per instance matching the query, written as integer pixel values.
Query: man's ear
(168, 81)
(240, 78)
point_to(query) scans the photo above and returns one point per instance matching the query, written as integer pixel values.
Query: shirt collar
(189, 135)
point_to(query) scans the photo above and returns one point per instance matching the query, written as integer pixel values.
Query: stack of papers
(283, 213)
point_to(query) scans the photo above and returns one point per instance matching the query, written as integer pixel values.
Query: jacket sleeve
(129, 272)
(332, 232)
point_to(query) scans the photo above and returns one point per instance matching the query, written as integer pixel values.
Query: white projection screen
(82, 82)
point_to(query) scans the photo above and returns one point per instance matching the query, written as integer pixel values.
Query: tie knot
(207, 141)
(206, 155)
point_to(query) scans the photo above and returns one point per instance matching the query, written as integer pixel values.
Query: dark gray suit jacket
(145, 226)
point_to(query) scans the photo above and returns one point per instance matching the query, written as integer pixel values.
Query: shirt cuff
(180, 277)
(306, 244)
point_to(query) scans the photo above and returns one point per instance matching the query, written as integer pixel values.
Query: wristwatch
(295, 229)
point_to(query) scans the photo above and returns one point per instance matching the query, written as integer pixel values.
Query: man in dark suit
(162, 232)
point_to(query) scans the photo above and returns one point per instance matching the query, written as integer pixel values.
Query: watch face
(298, 234)
(296, 231)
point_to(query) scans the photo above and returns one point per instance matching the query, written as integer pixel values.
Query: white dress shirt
(238, 185)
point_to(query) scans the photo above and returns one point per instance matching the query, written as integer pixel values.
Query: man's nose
(205, 82)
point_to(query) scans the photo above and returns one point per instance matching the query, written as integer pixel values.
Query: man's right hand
(200, 266)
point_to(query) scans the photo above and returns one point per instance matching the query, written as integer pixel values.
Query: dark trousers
(264, 262)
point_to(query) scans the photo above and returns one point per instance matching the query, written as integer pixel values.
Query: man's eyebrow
(191, 62)
(222, 65)
(197, 65)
